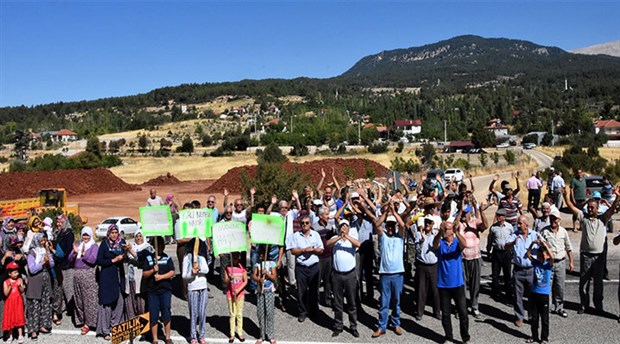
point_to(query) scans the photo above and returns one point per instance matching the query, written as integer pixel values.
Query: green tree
(93, 145)
(484, 160)
(427, 153)
(482, 138)
(547, 140)
(510, 157)
(271, 154)
(495, 158)
(187, 145)
(143, 142)
(206, 140)
(21, 139)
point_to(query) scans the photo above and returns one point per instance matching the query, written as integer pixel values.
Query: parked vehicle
(126, 225)
(455, 173)
(474, 151)
(503, 145)
(593, 183)
(529, 145)
(44, 200)
(432, 174)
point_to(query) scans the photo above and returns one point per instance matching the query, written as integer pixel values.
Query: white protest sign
(229, 237)
(267, 229)
(156, 220)
(194, 223)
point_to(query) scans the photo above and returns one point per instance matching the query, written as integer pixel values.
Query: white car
(126, 225)
(453, 172)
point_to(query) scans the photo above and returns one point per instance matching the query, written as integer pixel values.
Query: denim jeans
(391, 287)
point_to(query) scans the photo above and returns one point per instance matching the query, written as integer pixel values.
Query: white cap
(391, 218)
(317, 202)
(355, 195)
(344, 222)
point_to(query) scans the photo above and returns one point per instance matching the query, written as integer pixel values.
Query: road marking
(183, 339)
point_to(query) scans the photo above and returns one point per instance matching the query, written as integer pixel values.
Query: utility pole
(552, 133)
(359, 132)
(291, 124)
(445, 132)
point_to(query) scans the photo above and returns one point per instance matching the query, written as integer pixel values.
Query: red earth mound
(232, 179)
(167, 179)
(17, 185)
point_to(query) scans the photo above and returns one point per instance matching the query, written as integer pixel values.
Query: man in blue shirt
(520, 241)
(449, 244)
(391, 268)
(307, 246)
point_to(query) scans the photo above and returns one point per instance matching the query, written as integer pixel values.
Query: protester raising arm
(296, 199)
(609, 213)
(570, 204)
(274, 200)
(226, 197)
(319, 187)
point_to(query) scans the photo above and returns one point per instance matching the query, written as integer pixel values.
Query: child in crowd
(264, 274)
(158, 275)
(14, 317)
(235, 278)
(195, 270)
(541, 287)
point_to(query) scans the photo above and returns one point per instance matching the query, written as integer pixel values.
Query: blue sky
(76, 50)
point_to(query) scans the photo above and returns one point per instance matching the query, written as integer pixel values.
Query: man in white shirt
(344, 282)
(306, 245)
(154, 200)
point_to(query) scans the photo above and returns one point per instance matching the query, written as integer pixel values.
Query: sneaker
(336, 333)
(476, 313)
(581, 310)
(355, 333)
(562, 313)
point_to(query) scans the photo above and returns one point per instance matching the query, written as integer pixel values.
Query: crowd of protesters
(337, 240)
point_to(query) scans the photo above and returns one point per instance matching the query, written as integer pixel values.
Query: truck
(44, 200)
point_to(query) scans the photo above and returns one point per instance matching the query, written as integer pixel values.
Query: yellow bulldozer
(45, 199)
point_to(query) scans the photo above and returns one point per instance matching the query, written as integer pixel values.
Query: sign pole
(196, 243)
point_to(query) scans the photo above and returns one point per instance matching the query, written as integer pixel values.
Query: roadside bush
(510, 157)
(400, 147)
(462, 163)
(401, 165)
(299, 150)
(378, 148)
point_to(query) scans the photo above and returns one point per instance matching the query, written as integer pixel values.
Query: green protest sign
(229, 237)
(156, 220)
(267, 229)
(194, 223)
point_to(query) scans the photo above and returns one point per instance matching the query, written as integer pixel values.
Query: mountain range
(609, 48)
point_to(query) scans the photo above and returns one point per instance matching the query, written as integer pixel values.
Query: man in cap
(558, 241)
(391, 268)
(501, 256)
(512, 204)
(502, 193)
(578, 193)
(344, 279)
(557, 188)
(592, 249)
(541, 219)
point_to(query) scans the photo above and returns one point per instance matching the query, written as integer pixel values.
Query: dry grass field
(609, 153)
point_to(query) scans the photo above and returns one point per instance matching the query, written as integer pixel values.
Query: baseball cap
(501, 212)
(555, 213)
(355, 195)
(344, 222)
(390, 218)
(596, 194)
(317, 202)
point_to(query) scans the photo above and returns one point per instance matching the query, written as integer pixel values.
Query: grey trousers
(345, 286)
(523, 280)
(591, 266)
(109, 315)
(197, 302)
(471, 269)
(557, 286)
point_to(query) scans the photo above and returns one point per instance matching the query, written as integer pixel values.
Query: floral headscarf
(35, 246)
(116, 243)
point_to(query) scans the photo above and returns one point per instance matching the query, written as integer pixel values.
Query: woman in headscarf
(112, 275)
(35, 225)
(8, 231)
(38, 293)
(64, 268)
(84, 256)
(135, 303)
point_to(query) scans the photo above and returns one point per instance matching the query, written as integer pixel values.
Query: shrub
(484, 160)
(400, 147)
(510, 157)
(377, 148)
(299, 150)
(495, 158)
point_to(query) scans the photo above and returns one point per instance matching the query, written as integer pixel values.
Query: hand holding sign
(194, 223)
(267, 229)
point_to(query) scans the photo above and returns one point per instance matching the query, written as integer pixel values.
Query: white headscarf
(145, 245)
(48, 222)
(83, 247)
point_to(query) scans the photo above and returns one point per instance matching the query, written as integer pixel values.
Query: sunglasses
(228, 212)
(238, 205)
(305, 223)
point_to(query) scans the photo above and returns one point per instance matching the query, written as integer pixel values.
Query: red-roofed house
(495, 125)
(64, 135)
(609, 127)
(456, 146)
(408, 126)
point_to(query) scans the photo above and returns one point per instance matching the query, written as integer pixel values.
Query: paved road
(495, 327)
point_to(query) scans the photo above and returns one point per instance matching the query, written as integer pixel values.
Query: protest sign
(194, 223)
(130, 329)
(156, 220)
(229, 237)
(267, 229)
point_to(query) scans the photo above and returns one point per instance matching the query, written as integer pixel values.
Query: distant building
(610, 127)
(64, 135)
(496, 127)
(458, 146)
(408, 126)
